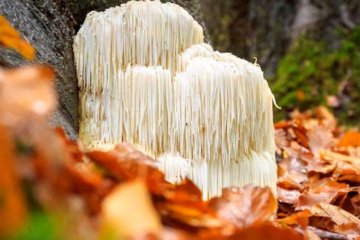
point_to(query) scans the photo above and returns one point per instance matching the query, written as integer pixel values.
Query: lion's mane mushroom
(147, 78)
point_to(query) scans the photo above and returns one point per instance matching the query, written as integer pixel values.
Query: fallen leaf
(245, 206)
(268, 231)
(350, 139)
(129, 211)
(296, 218)
(320, 138)
(9, 37)
(351, 230)
(288, 196)
(323, 191)
(336, 214)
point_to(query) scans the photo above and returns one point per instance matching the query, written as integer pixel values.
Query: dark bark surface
(50, 26)
(267, 28)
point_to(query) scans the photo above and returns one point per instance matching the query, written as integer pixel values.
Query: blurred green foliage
(311, 71)
(40, 225)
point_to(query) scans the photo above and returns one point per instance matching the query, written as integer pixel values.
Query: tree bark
(267, 28)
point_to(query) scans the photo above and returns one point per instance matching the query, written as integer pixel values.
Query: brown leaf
(188, 217)
(268, 231)
(288, 196)
(297, 218)
(323, 191)
(336, 214)
(90, 184)
(301, 135)
(245, 206)
(291, 173)
(326, 116)
(351, 230)
(125, 162)
(9, 37)
(320, 138)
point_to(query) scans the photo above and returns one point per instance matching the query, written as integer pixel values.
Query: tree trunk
(267, 28)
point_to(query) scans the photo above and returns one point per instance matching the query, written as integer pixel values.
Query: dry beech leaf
(296, 218)
(184, 207)
(323, 191)
(129, 211)
(326, 116)
(337, 157)
(9, 37)
(188, 217)
(288, 196)
(291, 173)
(351, 230)
(245, 206)
(336, 214)
(125, 162)
(301, 135)
(268, 231)
(320, 138)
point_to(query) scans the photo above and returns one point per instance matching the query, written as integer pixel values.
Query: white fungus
(146, 77)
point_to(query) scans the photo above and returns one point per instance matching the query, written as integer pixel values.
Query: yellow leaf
(129, 211)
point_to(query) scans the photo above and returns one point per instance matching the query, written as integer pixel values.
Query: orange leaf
(9, 37)
(129, 210)
(288, 196)
(320, 137)
(296, 218)
(351, 230)
(245, 206)
(13, 209)
(300, 95)
(336, 214)
(268, 231)
(350, 139)
(323, 191)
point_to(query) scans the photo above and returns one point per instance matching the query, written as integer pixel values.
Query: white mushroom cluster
(146, 77)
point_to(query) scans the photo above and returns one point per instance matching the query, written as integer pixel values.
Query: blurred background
(309, 50)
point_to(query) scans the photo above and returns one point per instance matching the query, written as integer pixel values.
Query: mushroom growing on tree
(146, 77)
